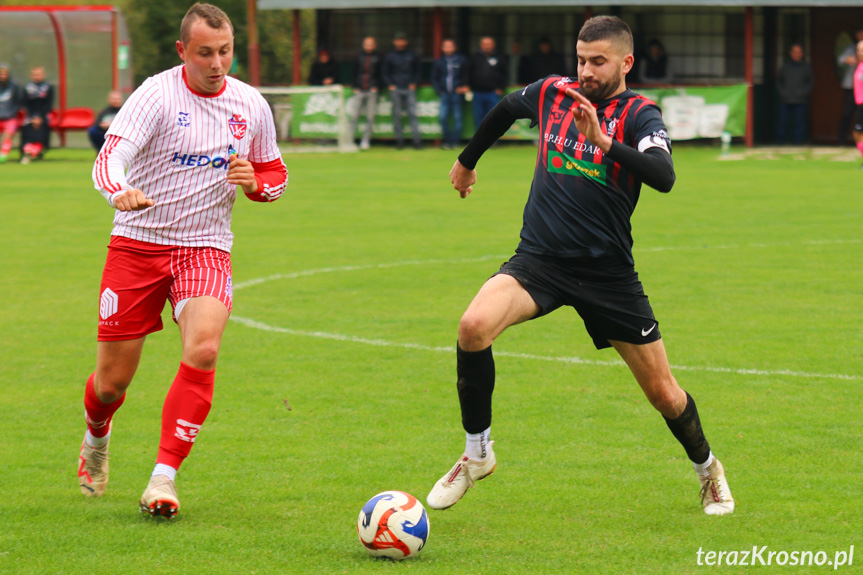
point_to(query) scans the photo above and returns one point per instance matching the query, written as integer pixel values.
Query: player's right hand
(132, 200)
(462, 179)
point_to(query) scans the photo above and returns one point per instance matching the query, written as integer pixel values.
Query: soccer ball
(393, 524)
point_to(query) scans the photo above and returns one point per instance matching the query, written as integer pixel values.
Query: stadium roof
(326, 4)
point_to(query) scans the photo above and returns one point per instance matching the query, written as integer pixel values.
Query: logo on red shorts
(238, 126)
(108, 304)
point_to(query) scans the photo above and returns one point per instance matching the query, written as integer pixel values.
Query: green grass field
(336, 377)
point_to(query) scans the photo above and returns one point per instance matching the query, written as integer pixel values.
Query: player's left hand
(462, 179)
(587, 121)
(241, 173)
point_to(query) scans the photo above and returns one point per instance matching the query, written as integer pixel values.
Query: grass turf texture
(751, 265)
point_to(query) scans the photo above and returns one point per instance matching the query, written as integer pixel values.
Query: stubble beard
(599, 91)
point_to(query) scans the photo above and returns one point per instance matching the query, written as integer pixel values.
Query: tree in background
(154, 29)
(277, 45)
(153, 26)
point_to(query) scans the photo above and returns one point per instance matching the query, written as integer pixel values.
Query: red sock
(185, 410)
(98, 414)
(860, 146)
(6, 147)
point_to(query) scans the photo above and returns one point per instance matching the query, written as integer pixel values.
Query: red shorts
(9, 126)
(140, 276)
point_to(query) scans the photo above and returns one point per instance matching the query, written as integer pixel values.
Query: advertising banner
(690, 112)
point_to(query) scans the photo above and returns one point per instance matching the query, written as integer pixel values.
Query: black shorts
(858, 119)
(612, 303)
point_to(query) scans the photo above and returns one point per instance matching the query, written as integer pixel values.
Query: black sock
(475, 385)
(687, 429)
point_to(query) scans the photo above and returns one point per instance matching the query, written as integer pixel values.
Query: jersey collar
(199, 94)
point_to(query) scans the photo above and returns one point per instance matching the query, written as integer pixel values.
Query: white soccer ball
(393, 524)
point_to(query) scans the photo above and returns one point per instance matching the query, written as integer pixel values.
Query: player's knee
(108, 389)
(474, 332)
(666, 400)
(202, 355)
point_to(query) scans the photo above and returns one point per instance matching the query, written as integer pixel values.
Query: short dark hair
(609, 28)
(214, 16)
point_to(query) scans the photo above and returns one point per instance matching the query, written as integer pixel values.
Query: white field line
(504, 257)
(499, 353)
(575, 360)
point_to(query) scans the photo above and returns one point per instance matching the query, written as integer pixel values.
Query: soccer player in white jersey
(170, 167)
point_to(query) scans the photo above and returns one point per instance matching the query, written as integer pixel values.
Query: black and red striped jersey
(581, 200)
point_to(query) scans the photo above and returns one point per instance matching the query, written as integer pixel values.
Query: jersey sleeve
(527, 100)
(264, 147)
(139, 117)
(514, 106)
(649, 129)
(109, 170)
(265, 156)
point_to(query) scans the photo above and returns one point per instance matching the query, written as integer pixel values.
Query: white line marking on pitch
(499, 353)
(616, 363)
(502, 258)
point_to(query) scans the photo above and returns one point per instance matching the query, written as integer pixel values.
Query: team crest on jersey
(563, 82)
(556, 116)
(238, 126)
(183, 120)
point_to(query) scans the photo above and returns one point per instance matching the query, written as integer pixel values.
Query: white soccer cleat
(160, 498)
(463, 475)
(715, 494)
(93, 469)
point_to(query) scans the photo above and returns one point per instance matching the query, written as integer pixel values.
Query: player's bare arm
(462, 179)
(242, 173)
(131, 201)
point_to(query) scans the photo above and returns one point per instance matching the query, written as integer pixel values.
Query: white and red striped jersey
(176, 144)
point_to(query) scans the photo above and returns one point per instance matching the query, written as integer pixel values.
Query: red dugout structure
(85, 51)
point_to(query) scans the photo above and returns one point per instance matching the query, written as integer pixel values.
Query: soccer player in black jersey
(599, 142)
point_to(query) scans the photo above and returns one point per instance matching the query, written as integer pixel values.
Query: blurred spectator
(847, 61)
(450, 82)
(10, 103)
(97, 131)
(794, 82)
(366, 83)
(519, 65)
(324, 70)
(489, 76)
(545, 62)
(654, 67)
(38, 101)
(401, 72)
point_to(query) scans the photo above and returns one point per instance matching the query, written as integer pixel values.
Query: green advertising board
(689, 112)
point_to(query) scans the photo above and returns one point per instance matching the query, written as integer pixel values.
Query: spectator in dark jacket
(97, 131)
(38, 101)
(450, 82)
(654, 67)
(401, 72)
(10, 104)
(545, 62)
(324, 71)
(794, 82)
(489, 76)
(366, 82)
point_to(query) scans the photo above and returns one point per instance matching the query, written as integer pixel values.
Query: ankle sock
(476, 444)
